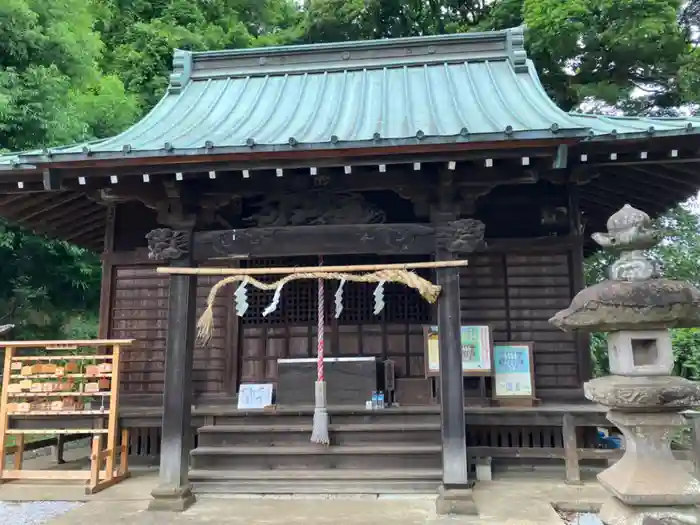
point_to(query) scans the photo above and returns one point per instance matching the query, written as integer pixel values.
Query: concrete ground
(518, 498)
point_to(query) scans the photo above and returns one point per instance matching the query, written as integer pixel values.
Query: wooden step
(340, 434)
(317, 457)
(306, 474)
(332, 481)
(343, 416)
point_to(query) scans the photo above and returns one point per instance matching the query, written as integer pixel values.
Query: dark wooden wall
(139, 310)
(515, 292)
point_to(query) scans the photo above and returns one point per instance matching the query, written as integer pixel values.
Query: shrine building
(410, 150)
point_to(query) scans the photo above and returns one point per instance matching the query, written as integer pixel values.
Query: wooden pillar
(452, 236)
(173, 492)
(107, 280)
(454, 440)
(578, 283)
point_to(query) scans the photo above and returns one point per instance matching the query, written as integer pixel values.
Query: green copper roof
(470, 87)
(454, 88)
(606, 127)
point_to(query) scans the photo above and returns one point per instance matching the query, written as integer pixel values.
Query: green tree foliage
(140, 35)
(48, 289)
(595, 50)
(51, 88)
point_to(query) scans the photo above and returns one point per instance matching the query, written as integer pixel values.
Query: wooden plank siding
(140, 310)
(515, 292)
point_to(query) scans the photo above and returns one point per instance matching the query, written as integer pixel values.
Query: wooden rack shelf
(103, 412)
(58, 394)
(17, 431)
(62, 357)
(58, 389)
(65, 376)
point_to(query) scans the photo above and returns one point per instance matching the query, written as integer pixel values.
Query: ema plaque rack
(64, 387)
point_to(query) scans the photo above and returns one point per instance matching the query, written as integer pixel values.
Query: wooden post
(19, 452)
(573, 472)
(60, 448)
(9, 353)
(577, 280)
(96, 461)
(455, 496)
(113, 416)
(173, 492)
(454, 441)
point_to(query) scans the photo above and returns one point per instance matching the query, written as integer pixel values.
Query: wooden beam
(363, 178)
(170, 270)
(88, 228)
(639, 185)
(404, 154)
(83, 212)
(377, 239)
(28, 203)
(637, 175)
(55, 204)
(624, 193)
(8, 199)
(51, 179)
(50, 219)
(671, 173)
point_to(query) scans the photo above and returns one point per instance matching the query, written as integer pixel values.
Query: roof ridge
(507, 44)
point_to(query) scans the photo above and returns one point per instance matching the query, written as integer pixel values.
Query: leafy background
(72, 70)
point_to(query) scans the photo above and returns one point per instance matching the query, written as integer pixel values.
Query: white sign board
(254, 395)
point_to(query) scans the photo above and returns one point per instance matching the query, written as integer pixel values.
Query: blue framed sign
(513, 375)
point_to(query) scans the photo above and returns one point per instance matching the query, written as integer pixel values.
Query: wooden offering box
(65, 379)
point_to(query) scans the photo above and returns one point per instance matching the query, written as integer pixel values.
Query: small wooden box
(48, 368)
(92, 387)
(27, 370)
(24, 407)
(104, 368)
(14, 388)
(37, 387)
(25, 384)
(65, 386)
(16, 366)
(92, 371)
(71, 368)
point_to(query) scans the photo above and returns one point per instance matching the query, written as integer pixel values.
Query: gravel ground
(33, 512)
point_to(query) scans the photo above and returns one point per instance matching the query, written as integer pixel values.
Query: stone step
(340, 434)
(314, 456)
(351, 481)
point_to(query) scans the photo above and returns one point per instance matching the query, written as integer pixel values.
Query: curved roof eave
(446, 90)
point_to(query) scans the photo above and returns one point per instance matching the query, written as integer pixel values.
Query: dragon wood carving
(316, 208)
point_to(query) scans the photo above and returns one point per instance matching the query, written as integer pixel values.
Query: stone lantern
(637, 307)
